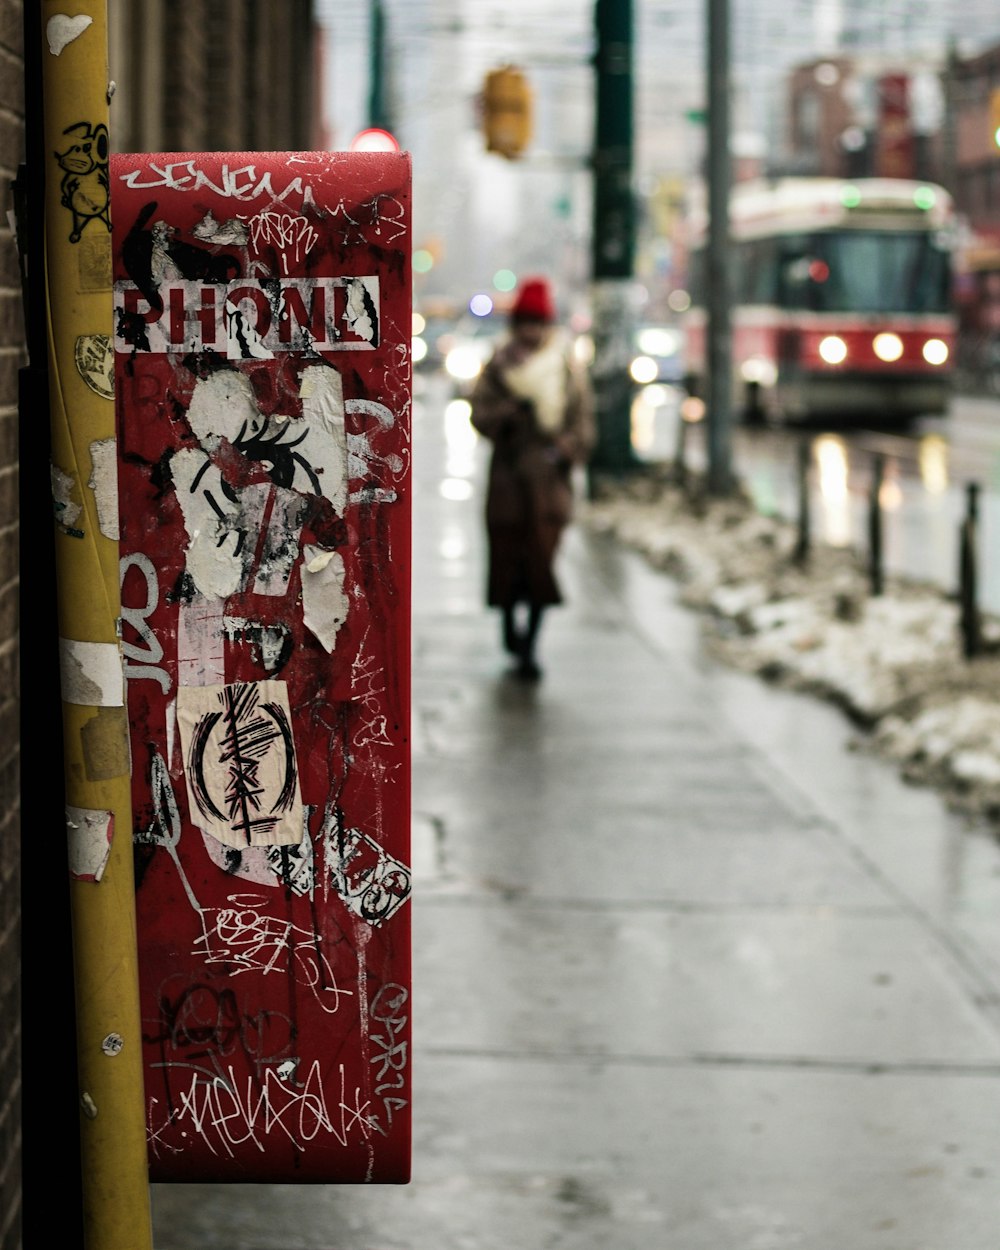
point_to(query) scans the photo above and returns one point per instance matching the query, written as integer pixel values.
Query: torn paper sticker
(91, 673)
(61, 29)
(95, 362)
(276, 867)
(104, 483)
(323, 447)
(240, 764)
(324, 602)
(372, 884)
(89, 833)
(67, 510)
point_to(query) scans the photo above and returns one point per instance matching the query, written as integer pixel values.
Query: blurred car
(659, 411)
(467, 347)
(426, 343)
(658, 355)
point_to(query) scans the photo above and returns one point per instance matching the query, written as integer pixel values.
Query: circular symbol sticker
(113, 1044)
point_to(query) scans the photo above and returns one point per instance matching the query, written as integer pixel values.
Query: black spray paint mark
(130, 328)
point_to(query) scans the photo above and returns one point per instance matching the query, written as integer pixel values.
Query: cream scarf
(541, 378)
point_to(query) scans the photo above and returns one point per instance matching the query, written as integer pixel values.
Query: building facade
(973, 87)
(858, 117)
(214, 76)
(12, 358)
(852, 117)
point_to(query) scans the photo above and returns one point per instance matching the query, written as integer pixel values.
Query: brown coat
(529, 496)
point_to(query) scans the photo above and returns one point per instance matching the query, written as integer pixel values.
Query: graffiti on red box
(262, 327)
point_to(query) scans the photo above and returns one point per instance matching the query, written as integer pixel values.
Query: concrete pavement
(689, 974)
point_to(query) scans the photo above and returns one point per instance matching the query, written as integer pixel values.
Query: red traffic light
(374, 140)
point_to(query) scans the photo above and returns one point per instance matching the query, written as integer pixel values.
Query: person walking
(533, 401)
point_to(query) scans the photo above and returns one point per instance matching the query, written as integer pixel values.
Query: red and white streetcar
(841, 299)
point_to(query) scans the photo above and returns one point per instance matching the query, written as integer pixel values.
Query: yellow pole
(74, 50)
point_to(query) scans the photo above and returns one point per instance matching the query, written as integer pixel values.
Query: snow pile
(894, 661)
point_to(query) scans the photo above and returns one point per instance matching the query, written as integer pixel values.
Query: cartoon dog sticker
(85, 185)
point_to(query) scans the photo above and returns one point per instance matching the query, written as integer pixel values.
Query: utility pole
(378, 91)
(74, 278)
(948, 127)
(613, 243)
(719, 329)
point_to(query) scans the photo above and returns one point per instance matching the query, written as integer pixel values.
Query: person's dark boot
(512, 640)
(528, 669)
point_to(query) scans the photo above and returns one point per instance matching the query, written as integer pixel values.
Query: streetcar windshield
(865, 271)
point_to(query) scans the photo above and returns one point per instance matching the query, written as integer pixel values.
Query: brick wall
(12, 357)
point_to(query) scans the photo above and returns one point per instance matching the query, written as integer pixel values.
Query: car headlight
(644, 369)
(658, 341)
(760, 370)
(463, 364)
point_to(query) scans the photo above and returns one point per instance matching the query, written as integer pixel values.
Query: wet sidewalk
(689, 974)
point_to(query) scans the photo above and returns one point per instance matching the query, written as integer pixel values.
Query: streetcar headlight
(935, 351)
(887, 347)
(833, 350)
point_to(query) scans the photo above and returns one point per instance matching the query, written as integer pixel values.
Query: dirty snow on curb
(894, 661)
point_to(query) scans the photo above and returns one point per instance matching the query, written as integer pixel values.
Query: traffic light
(374, 140)
(995, 119)
(507, 112)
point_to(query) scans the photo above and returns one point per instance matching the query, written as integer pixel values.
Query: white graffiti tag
(142, 658)
(290, 235)
(246, 940)
(227, 1115)
(244, 182)
(391, 1058)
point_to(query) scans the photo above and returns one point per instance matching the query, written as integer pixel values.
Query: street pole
(948, 126)
(98, 818)
(45, 905)
(719, 330)
(378, 93)
(613, 242)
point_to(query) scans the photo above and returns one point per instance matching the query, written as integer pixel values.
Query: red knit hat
(534, 301)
